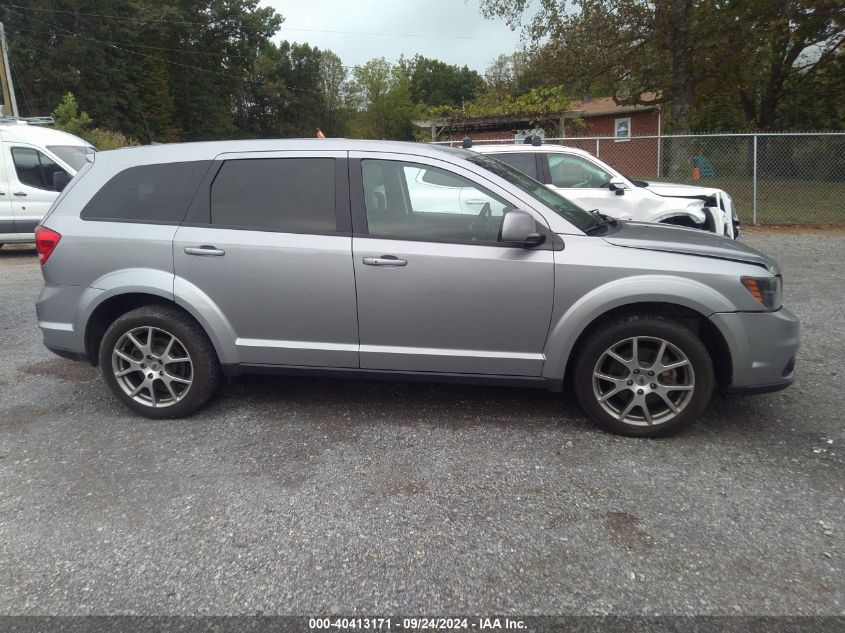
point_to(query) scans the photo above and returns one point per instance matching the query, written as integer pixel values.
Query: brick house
(586, 118)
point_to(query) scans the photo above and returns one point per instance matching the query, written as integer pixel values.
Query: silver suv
(175, 266)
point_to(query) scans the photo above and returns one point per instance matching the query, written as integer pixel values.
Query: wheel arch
(112, 308)
(709, 334)
(685, 300)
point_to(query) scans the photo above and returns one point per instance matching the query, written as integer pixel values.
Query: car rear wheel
(644, 377)
(159, 362)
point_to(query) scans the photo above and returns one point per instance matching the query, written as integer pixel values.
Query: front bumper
(763, 346)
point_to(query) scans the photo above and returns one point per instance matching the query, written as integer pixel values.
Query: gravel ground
(310, 496)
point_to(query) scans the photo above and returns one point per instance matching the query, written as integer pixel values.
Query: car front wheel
(159, 362)
(644, 377)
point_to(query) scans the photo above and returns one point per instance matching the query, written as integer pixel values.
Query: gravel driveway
(311, 496)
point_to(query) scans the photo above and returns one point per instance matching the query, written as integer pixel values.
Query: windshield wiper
(601, 221)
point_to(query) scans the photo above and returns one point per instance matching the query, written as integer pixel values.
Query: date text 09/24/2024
(416, 624)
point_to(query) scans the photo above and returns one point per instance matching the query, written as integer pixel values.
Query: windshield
(73, 155)
(557, 203)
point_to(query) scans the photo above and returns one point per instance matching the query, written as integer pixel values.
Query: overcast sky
(451, 30)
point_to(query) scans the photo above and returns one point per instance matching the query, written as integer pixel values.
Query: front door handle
(385, 260)
(20, 194)
(204, 251)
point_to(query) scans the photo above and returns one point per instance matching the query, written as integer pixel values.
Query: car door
(268, 241)
(436, 291)
(30, 172)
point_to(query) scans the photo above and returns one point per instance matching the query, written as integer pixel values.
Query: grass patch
(785, 201)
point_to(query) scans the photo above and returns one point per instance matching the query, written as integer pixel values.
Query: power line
(249, 79)
(126, 18)
(283, 28)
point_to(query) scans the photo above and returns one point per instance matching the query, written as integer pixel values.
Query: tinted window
(402, 202)
(34, 168)
(573, 171)
(292, 195)
(147, 193)
(526, 163)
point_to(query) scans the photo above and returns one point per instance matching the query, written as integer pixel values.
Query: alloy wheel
(152, 366)
(643, 381)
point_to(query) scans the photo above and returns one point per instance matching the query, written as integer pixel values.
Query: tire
(170, 365)
(623, 397)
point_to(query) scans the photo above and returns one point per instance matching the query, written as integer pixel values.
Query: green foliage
(68, 118)
(437, 83)
(108, 139)
(726, 64)
(380, 97)
(538, 104)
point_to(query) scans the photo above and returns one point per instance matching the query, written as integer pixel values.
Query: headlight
(767, 290)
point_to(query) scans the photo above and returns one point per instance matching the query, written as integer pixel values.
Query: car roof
(208, 150)
(38, 135)
(525, 148)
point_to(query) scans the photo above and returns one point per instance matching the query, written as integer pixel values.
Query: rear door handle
(20, 194)
(204, 251)
(385, 260)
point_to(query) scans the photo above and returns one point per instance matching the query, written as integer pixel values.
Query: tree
(695, 54)
(166, 70)
(333, 77)
(510, 73)
(434, 82)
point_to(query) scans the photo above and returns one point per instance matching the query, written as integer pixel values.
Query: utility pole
(10, 104)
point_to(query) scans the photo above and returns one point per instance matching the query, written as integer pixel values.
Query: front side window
(526, 163)
(571, 171)
(419, 202)
(289, 195)
(566, 209)
(34, 168)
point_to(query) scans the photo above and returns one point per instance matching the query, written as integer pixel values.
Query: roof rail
(28, 120)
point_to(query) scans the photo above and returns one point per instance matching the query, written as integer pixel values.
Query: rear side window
(147, 193)
(289, 195)
(526, 163)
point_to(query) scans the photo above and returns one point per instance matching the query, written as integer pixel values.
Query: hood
(676, 190)
(673, 239)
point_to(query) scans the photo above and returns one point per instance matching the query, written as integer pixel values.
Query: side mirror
(520, 229)
(618, 186)
(60, 180)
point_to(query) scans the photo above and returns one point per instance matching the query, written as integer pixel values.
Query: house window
(622, 129)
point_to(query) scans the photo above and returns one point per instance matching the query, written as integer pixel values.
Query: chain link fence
(779, 178)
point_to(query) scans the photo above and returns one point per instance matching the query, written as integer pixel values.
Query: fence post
(754, 185)
(597, 147)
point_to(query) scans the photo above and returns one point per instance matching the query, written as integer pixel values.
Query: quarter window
(34, 168)
(290, 195)
(419, 202)
(147, 193)
(571, 171)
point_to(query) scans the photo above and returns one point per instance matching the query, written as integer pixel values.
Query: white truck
(35, 164)
(593, 184)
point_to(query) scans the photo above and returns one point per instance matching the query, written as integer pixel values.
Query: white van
(35, 165)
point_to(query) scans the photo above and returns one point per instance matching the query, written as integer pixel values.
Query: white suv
(593, 184)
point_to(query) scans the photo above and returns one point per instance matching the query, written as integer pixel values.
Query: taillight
(45, 242)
